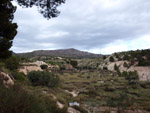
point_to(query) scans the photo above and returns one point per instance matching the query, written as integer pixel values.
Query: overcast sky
(97, 26)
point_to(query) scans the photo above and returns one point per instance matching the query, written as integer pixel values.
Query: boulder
(7, 81)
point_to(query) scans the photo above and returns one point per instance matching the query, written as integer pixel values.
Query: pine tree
(7, 28)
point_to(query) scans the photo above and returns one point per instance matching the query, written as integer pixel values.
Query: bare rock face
(6, 79)
(28, 67)
(143, 72)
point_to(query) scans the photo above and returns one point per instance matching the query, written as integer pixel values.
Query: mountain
(71, 53)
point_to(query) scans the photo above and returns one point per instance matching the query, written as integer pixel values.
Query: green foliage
(118, 57)
(24, 59)
(126, 65)
(105, 68)
(143, 62)
(19, 76)
(55, 63)
(140, 56)
(46, 7)
(124, 74)
(111, 59)
(44, 66)
(18, 100)
(11, 63)
(104, 57)
(74, 63)
(121, 102)
(116, 67)
(7, 28)
(126, 57)
(43, 78)
(132, 76)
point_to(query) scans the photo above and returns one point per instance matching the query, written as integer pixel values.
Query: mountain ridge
(71, 52)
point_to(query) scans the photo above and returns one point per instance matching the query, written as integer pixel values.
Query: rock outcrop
(7, 81)
(28, 67)
(143, 71)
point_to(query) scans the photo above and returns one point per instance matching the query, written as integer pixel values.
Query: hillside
(138, 60)
(75, 85)
(71, 53)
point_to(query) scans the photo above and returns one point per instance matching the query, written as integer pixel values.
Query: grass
(96, 88)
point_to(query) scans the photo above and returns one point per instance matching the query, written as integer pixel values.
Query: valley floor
(102, 92)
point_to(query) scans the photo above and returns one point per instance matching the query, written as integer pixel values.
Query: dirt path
(73, 93)
(72, 110)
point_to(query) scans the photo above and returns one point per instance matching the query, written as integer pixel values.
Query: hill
(138, 60)
(71, 53)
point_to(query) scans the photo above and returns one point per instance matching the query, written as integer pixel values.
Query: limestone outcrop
(7, 80)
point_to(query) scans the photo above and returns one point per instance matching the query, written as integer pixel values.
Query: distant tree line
(142, 57)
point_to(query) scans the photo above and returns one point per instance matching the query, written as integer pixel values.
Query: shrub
(11, 63)
(74, 63)
(105, 68)
(116, 68)
(55, 63)
(43, 78)
(111, 59)
(126, 65)
(132, 75)
(121, 102)
(125, 57)
(44, 66)
(104, 57)
(143, 62)
(17, 100)
(19, 76)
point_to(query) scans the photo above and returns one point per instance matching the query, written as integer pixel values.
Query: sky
(97, 26)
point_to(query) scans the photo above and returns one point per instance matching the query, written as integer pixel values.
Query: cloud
(124, 45)
(100, 26)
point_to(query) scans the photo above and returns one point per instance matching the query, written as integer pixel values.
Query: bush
(17, 100)
(43, 78)
(143, 62)
(19, 76)
(44, 66)
(116, 68)
(123, 101)
(55, 63)
(132, 75)
(74, 63)
(126, 65)
(105, 68)
(125, 57)
(11, 63)
(104, 57)
(111, 59)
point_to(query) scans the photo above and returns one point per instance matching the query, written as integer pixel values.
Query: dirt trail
(73, 93)
(72, 110)
(60, 105)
